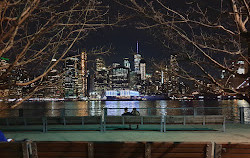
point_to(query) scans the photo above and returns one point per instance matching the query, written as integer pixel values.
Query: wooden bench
(46, 123)
(13, 150)
(23, 121)
(73, 120)
(60, 150)
(121, 150)
(232, 150)
(130, 120)
(165, 120)
(180, 149)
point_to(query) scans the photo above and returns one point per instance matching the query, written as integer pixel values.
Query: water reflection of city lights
(119, 107)
(83, 108)
(163, 105)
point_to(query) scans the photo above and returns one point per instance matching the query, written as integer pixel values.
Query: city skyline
(205, 44)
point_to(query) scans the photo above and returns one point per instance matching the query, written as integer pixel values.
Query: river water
(230, 108)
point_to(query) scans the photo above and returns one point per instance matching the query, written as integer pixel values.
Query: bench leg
(25, 150)
(224, 125)
(161, 126)
(164, 126)
(102, 127)
(44, 125)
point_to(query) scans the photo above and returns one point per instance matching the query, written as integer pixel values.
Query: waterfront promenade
(234, 133)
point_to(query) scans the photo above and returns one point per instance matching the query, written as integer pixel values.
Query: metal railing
(236, 114)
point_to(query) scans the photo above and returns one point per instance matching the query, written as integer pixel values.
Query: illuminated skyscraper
(126, 63)
(137, 59)
(100, 64)
(71, 77)
(173, 86)
(119, 77)
(100, 77)
(143, 69)
(84, 73)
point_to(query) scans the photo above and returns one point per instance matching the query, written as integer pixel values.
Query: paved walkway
(234, 133)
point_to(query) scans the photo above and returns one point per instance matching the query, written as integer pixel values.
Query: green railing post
(20, 112)
(242, 117)
(195, 111)
(62, 112)
(104, 120)
(149, 111)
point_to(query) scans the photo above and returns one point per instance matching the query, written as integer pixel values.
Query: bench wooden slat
(179, 150)
(62, 146)
(119, 155)
(11, 150)
(177, 155)
(63, 153)
(62, 157)
(62, 149)
(13, 146)
(224, 150)
(119, 145)
(58, 143)
(235, 151)
(235, 155)
(120, 150)
(11, 154)
(237, 146)
(177, 145)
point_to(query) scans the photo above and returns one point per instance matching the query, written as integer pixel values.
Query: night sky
(123, 41)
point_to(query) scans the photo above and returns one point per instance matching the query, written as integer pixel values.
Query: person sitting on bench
(135, 112)
(126, 113)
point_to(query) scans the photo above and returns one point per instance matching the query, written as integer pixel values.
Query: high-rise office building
(100, 63)
(143, 69)
(126, 63)
(173, 86)
(84, 73)
(100, 77)
(71, 82)
(54, 87)
(137, 59)
(119, 77)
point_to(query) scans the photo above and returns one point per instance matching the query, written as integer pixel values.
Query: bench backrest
(241, 150)
(21, 121)
(176, 149)
(121, 149)
(13, 150)
(74, 120)
(190, 119)
(133, 119)
(60, 149)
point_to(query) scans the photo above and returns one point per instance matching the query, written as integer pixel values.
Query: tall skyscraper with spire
(84, 73)
(137, 59)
